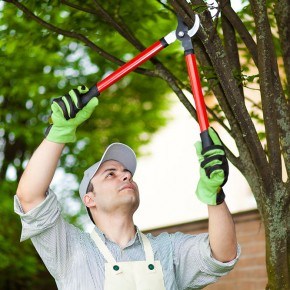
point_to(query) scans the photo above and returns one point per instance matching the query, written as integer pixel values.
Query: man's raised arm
(38, 174)
(213, 175)
(67, 114)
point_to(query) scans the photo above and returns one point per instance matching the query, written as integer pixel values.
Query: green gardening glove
(67, 114)
(214, 170)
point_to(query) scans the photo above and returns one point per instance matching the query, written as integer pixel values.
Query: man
(116, 255)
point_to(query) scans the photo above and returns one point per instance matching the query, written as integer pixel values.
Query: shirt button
(116, 267)
(151, 267)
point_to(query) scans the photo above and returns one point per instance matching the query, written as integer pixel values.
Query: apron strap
(149, 255)
(102, 247)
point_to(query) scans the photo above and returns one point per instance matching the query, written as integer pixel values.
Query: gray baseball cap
(116, 151)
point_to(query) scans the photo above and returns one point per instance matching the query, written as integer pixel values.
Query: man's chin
(131, 200)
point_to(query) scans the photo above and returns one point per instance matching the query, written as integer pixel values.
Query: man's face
(114, 188)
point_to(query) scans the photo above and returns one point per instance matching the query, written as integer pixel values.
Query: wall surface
(250, 271)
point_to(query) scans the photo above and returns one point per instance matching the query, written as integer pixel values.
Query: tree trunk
(276, 217)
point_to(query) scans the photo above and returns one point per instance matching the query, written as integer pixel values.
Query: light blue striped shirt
(75, 262)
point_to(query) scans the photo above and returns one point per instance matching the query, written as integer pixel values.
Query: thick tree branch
(266, 57)
(236, 22)
(77, 36)
(282, 14)
(230, 44)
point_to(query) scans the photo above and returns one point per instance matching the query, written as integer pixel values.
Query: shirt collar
(137, 238)
(100, 233)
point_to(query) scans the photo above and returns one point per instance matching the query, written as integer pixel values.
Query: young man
(116, 255)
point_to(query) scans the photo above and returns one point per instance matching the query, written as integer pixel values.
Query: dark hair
(90, 189)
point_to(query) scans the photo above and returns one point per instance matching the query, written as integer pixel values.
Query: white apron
(135, 275)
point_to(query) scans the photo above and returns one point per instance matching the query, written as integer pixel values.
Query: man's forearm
(222, 233)
(38, 174)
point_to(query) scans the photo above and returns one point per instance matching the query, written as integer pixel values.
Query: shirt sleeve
(54, 239)
(40, 218)
(194, 265)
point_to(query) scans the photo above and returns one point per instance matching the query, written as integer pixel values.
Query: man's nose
(127, 175)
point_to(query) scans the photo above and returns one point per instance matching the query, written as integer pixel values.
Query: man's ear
(89, 199)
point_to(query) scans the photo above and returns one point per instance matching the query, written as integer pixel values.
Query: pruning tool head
(182, 33)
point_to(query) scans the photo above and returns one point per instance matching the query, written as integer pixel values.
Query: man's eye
(110, 174)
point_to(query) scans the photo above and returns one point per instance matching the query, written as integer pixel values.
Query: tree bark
(276, 220)
(282, 14)
(266, 57)
(242, 31)
(230, 44)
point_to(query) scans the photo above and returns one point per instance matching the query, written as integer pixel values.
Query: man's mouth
(128, 186)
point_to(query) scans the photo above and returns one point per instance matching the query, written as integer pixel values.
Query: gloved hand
(67, 114)
(214, 170)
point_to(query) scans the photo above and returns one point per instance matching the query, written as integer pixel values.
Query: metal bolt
(180, 33)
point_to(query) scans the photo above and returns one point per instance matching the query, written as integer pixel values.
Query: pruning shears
(184, 35)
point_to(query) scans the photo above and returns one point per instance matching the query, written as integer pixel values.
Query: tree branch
(239, 26)
(282, 15)
(230, 44)
(76, 35)
(266, 57)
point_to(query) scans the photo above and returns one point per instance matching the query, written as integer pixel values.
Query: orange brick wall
(250, 271)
